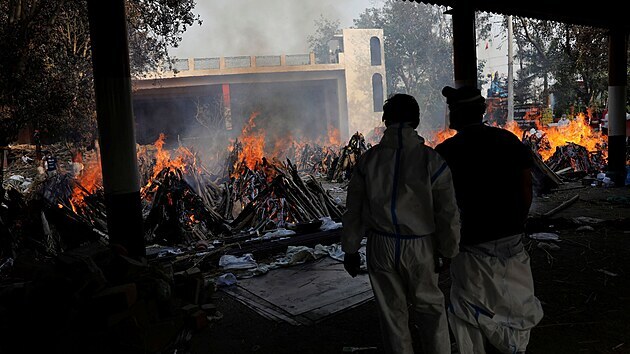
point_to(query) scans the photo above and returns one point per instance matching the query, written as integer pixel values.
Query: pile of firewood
(286, 199)
(577, 158)
(184, 203)
(342, 166)
(177, 214)
(316, 159)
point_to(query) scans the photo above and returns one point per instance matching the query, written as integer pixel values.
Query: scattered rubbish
(7, 263)
(586, 220)
(226, 279)
(607, 272)
(329, 224)
(548, 246)
(302, 254)
(357, 349)
(19, 183)
(275, 234)
(163, 251)
(246, 261)
(544, 236)
(217, 316)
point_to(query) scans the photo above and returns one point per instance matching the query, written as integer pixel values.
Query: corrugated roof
(603, 13)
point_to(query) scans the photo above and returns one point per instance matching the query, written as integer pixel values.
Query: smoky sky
(262, 27)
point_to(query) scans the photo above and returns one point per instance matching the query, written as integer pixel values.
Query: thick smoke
(256, 27)
(243, 28)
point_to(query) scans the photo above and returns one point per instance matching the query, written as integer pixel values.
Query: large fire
(163, 157)
(88, 182)
(576, 131)
(333, 137)
(254, 150)
(253, 143)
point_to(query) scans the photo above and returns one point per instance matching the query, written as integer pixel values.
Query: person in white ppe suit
(401, 197)
(492, 304)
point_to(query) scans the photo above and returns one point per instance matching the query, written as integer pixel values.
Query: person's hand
(352, 263)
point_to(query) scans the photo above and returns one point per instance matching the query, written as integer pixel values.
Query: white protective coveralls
(401, 198)
(492, 296)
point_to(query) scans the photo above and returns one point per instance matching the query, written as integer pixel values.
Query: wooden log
(542, 167)
(562, 206)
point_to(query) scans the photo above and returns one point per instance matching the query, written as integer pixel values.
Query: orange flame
(577, 131)
(513, 127)
(90, 179)
(163, 158)
(334, 138)
(436, 137)
(253, 143)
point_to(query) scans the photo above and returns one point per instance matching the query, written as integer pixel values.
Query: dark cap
(462, 95)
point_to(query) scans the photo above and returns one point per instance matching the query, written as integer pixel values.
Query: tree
(569, 61)
(46, 70)
(325, 30)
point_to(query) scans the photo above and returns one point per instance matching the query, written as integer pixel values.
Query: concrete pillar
(227, 106)
(464, 45)
(112, 86)
(617, 86)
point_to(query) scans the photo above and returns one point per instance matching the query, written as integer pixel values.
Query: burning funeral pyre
(188, 203)
(184, 203)
(192, 213)
(256, 190)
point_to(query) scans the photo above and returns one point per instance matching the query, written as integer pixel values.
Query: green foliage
(46, 70)
(325, 29)
(568, 61)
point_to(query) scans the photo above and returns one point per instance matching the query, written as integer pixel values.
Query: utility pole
(510, 88)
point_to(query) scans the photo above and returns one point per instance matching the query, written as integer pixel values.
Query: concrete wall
(356, 58)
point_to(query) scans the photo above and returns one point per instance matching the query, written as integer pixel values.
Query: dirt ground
(581, 280)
